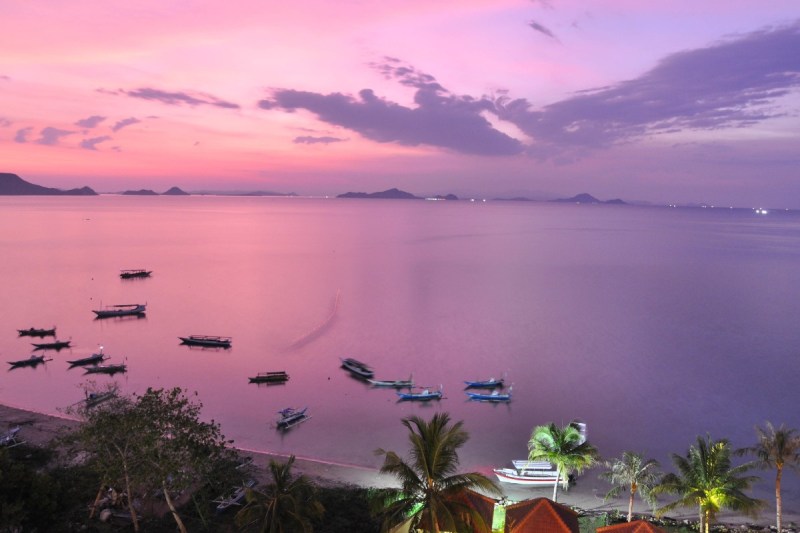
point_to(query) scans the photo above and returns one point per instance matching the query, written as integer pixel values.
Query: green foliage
(564, 448)
(634, 475)
(431, 492)
(346, 510)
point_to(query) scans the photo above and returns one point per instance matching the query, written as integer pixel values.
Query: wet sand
(40, 428)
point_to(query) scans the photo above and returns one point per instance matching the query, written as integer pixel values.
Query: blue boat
(494, 396)
(290, 417)
(425, 395)
(490, 383)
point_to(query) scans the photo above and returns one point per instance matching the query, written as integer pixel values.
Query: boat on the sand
(235, 497)
(118, 310)
(357, 368)
(209, 341)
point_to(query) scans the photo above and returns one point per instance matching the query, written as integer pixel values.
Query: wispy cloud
(50, 136)
(22, 135)
(438, 118)
(179, 97)
(91, 144)
(542, 29)
(124, 123)
(90, 122)
(308, 139)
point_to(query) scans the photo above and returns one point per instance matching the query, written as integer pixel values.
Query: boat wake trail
(320, 329)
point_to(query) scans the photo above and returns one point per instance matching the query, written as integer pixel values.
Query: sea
(653, 325)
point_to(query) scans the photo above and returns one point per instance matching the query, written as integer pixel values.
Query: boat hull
(508, 475)
(207, 342)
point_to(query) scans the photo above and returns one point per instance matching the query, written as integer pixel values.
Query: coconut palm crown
(431, 491)
(563, 447)
(632, 473)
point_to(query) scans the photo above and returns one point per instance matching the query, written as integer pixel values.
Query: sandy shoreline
(40, 428)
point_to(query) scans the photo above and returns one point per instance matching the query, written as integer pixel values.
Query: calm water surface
(653, 325)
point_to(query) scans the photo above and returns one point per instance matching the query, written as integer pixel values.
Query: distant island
(394, 194)
(141, 192)
(585, 198)
(176, 191)
(11, 184)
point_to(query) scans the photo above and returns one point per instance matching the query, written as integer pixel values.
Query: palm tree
(431, 492)
(633, 473)
(707, 478)
(776, 448)
(287, 504)
(565, 448)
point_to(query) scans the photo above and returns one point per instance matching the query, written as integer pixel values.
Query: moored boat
(55, 345)
(96, 398)
(290, 417)
(94, 359)
(279, 376)
(33, 360)
(37, 332)
(107, 369)
(397, 384)
(210, 341)
(357, 368)
(424, 395)
(535, 473)
(132, 273)
(494, 396)
(490, 383)
(121, 310)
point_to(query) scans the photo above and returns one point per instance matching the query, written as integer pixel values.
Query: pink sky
(664, 101)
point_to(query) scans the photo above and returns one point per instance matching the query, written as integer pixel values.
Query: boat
(33, 360)
(117, 310)
(397, 384)
(357, 368)
(536, 473)
(494, 396)
(211, 341)
(96, 398)
(107, 369)
(94, 359)
(235, 497)
(55, 345)
(279, 376)
(37, 332)
(424, 395)
(490, 383)
(135, 273)
(290, 417)
(9, 438)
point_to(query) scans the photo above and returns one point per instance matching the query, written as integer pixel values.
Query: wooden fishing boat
(33, 360)
(396, 384)
(133, 273)
(55, 345)
(107, 369)
(37, 332)
(96, 398)
(490, 383)
(494, 396)
(235, 497)
(279, 376)
(357, 368)
(290, 417)
(118, 310)
(209, 341)
(425, 395)
(94, 359)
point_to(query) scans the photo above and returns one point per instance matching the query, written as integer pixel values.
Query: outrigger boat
(107, 369)
(96, 398)
(424, 395)
(37, 332)
(33, 360)
(279, 376)
(121, 310)
(357, 368)
(235, 497)
(290, 417)
(490, 383)
(528, 473)
(9, 438)
(135, 273)
(55, 345)
(209, 341)
(494, 396)
(94, 359)
(397, 384)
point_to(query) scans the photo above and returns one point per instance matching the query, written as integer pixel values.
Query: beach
(39, 429)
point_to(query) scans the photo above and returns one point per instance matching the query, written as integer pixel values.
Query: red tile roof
(636, 526)
(540, 515)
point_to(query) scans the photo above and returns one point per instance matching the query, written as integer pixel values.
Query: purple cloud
(541, 29)
(91, 144)
(308, 139)
(178, 98)
(734, 83)
(50, 136)
(90, 122)
(124, 122)
(4, 122)
(22, 135)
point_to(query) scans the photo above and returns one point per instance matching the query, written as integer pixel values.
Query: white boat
(235, 497)
(290, 417)
(397, 383)
(528, 473)
(121, 310)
